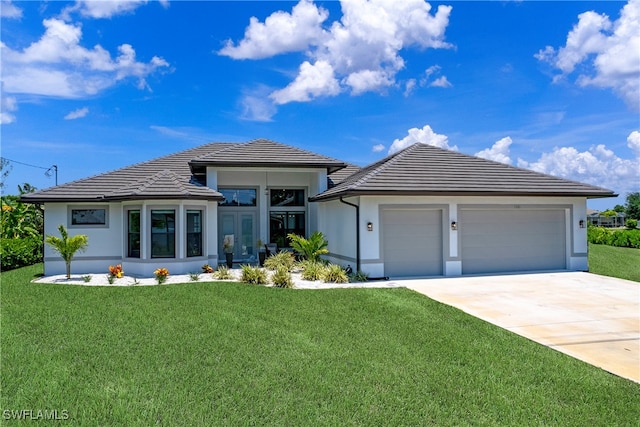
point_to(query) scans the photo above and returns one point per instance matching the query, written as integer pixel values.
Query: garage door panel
(412, 242)
(512, 240)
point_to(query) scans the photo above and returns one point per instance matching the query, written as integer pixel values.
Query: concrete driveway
(592, 318)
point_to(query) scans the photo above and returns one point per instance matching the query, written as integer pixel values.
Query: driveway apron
(593, 318)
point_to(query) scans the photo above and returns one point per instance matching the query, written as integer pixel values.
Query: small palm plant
(310, 248)
(67, 246)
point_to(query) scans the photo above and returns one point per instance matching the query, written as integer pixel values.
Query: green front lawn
(234, 354)
(623, 263)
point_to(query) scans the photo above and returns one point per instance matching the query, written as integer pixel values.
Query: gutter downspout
(357, 231)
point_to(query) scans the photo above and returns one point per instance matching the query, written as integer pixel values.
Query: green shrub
(335, 274)
(620, 238)
(282, 278)
(16, 253)
(281, 259)
(359, 276)
(223, 273)
(310, 248)
(253, 275)
(312, 270)
(194, 277)
(631, 223)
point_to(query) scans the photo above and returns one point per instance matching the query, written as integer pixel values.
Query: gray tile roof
(263, 152)
(422, 169)
(164, 177)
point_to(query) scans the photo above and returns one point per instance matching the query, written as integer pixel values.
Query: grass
(615, 262)
(232, 354)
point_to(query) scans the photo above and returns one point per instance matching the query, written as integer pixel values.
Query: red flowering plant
(161, 275)
(116, 271)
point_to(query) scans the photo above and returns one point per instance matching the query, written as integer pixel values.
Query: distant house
(598, 219)
(423, 211)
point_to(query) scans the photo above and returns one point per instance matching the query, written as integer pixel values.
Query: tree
(609, 213)
(67, 246)
(5, 168)
(619, 208)
(310, 248)
(633, 205)
(20, 220)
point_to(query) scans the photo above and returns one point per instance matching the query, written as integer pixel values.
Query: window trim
(286, 210)
(201, 211)
(175, 234)
(235, 187)
(128, 232)
(72, 208)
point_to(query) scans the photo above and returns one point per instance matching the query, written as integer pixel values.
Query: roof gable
(263, 152)
(422, 169)
(142, 180)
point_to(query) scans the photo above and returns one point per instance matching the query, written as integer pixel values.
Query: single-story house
(599, 220)
(422, 211)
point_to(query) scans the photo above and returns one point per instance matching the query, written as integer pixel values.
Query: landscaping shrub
(335, 274)
(619, 238)
(632, 223)
(253, 275)
(312, 270)
(223, 273)
(359, 277)
(310, 248)
(282, 278)
(282, 258)
(16, 253)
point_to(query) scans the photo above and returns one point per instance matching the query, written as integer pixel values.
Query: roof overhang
(355, 193)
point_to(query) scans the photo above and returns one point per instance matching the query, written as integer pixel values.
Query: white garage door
(412, 242)
(512, 240)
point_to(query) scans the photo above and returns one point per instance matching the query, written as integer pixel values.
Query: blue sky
(551, 86)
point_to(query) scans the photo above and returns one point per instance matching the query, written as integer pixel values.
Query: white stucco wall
(337, 221)
(105, 242)
(338, 225)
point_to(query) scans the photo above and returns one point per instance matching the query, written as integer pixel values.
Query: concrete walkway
(593, 318)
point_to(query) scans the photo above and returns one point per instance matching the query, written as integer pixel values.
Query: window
(287, 214)
(133, 233)
(88, 216)
(194, 233)
(238, 197)
(286, 198)
(283, 223)
(163, 234)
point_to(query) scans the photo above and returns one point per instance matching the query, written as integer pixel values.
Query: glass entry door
(242, 226)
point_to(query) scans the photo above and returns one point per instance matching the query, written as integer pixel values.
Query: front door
(242, 226)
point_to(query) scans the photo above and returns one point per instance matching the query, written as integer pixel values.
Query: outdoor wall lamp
(454, 225)
(369, 226)
(581, 223)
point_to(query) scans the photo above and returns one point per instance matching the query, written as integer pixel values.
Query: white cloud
(312, 81)
(431, 80)
(610, 52)
(9, 10)
(499, 152)
(377, 148)
(280, 33)
(409, 87)
(8, 105)
(426, 135)
(362, 50)
(633, 142)
(598, 165)
(98, 9)
(441, 82)
(256, 106)
(77, 114)
(57, 65)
